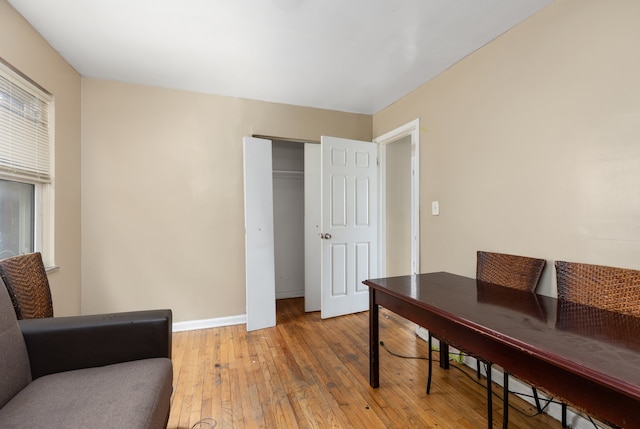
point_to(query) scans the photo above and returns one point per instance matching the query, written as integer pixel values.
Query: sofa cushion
(130, 395)
(15, 373)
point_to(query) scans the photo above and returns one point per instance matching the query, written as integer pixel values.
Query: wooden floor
(312, 373)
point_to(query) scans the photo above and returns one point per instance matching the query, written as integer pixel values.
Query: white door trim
(410, 129)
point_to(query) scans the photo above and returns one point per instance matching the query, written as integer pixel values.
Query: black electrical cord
(210, 422)
(470, 377)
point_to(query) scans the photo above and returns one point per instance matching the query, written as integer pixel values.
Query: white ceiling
(348, 55)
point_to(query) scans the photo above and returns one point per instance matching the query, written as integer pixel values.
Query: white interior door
(312, 220)
(259, 250)
(349, 224)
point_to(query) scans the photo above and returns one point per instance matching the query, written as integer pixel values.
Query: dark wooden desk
(586, 356)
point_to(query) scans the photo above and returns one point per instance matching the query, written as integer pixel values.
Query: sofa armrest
(65, 343)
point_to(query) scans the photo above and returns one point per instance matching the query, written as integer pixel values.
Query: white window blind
(25, 139)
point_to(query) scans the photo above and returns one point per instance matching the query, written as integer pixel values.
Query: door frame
(409, 129)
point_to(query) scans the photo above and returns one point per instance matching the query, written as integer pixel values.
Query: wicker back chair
(517, 272)
(600, 286)
(513, 271)
(28, 286)
(609, 288)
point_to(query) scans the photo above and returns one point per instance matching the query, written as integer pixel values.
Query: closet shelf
(288, 174)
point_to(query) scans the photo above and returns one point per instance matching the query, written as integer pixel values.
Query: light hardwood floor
(312, 373)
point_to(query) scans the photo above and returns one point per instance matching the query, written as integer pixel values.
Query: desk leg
(374, 351)
(444, 355)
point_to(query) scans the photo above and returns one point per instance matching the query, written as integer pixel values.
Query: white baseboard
(191, 325)
(290, 294)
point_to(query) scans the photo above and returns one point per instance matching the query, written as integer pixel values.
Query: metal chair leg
(536, 399)
(430, 365)
(564, 415)
(489, 398)
(505, 401)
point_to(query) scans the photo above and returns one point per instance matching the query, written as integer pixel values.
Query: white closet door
(312, 219)
(259, 250)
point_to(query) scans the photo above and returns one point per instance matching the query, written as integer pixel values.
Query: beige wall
(162, 196)
(22, 47)
(532, 144)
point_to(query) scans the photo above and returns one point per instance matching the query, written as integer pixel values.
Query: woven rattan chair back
(517, 272)
(609, 288)
(28, 286)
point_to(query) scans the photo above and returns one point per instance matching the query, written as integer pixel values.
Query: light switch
(435, 208)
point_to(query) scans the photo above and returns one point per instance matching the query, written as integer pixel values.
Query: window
(26, 178)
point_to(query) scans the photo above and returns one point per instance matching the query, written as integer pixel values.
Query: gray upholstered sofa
(105, 371)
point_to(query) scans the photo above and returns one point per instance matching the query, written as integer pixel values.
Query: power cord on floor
(455, 366)
(402, 356)
(470, 377)
(209, 422)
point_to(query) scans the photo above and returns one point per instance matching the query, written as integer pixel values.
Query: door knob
(325, 236)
